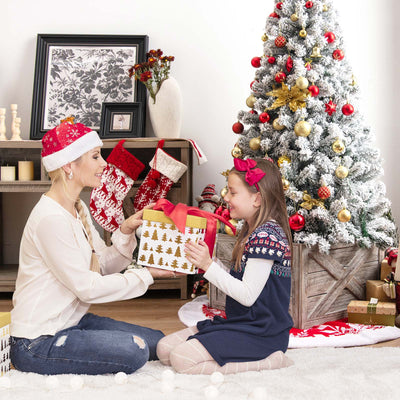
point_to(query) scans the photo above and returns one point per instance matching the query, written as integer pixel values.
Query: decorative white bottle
(3, 124)
(166, 112)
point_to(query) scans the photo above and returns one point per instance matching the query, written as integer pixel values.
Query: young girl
(255, 334)
(65, 266)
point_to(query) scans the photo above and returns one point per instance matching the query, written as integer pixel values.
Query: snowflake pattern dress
(253, 333)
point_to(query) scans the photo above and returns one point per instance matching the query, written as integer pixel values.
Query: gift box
(167, 228)
(386, 268)
(5, 320)
(376, 289)
(371, 312)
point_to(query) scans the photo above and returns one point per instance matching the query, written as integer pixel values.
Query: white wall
(213, 43)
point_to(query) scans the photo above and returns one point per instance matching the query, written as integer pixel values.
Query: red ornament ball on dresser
(237, 127)
(297, 222)
(256, 62)
(347, 109)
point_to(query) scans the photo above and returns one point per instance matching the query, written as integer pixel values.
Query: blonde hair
(273, 206)
(60, 175)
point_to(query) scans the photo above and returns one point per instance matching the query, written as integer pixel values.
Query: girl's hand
(198, 254)
(134, 221)
(162, 273)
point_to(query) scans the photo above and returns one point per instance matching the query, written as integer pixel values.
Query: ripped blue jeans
(97, 345)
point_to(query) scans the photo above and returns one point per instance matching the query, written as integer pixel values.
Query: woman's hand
(134, 221)
(163, 273)
(198, 254)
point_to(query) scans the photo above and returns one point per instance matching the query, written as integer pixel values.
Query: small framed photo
(119, 120)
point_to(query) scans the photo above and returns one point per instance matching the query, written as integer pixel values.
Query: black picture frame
(122, 120)
(76, 74)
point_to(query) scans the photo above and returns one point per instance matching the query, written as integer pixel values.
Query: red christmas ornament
(274, 15)
(264, 117)
(271, 60)
(289, 64)
(347, 109)
(280, 77)
(226, 214)
(251, 85)
(256, 62)
(330, 37)
(219, 210)
(253, 112)
(308, 65)
(330, 107)
(324, 192)
(297, 222)
(338, 54)
(309, 4)
(279, 6)
(314, 90)
(237, 127)
(280, 41)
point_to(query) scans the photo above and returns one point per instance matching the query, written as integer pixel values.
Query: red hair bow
(252, 175)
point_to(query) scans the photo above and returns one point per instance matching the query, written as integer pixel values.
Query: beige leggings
(191, 357)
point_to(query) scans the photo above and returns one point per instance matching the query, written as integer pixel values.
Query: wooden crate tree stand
(322, 284)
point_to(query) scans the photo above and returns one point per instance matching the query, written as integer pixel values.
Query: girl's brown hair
(273, 206)
(59, 175)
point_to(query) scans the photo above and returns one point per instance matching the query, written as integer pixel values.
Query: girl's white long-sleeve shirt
(247, 290)
(55, 285)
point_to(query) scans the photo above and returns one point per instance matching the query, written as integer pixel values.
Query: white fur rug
(318, 373)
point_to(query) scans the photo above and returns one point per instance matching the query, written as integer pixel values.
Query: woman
(65, 266)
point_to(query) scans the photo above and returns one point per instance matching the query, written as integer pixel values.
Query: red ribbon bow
(252, 175)
(179, 213)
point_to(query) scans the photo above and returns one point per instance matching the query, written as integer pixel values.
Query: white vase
(166, 112)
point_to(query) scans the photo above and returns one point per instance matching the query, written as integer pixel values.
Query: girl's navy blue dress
(253, 333)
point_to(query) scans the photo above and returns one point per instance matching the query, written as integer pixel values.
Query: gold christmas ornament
(282, 160)
(250, 101)
(255, 143)
(294, 97)
(264, 37)
(303, 33)
(302, 83)
(344, 215)
(302, 128)
(341, 172)
(309, 202)
(353, 81)
(276, 125)
(338, 146)
(325, 8)
(224, 192)
(285, 184)
(228, 230)
(294, 17)
(237, 152)
(316, 52)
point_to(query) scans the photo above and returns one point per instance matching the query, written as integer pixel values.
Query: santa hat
(67, 142)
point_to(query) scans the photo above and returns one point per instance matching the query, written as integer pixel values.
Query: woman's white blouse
(55, 286)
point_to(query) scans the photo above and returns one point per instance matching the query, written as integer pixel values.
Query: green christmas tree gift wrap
(5, 320)
(162, 244)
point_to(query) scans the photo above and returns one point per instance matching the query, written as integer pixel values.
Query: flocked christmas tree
(304, 114)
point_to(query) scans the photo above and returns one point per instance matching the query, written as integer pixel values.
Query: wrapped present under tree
(5, 320)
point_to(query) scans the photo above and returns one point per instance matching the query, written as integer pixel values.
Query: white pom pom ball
(211, 392)
(76, 382)
(167, 375)
(121, 378)
(5, 382)
(52, 382)
(167, 386)
(216, 378)
(139, 231)
(258, 393)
